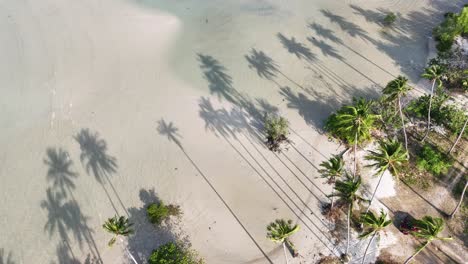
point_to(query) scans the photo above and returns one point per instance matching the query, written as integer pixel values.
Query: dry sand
(103, 101)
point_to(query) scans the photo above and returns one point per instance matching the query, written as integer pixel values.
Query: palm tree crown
(428, 228)
(332, 168)
(347, 190)
(433, 73)
(390, 155)
(280, 230)
(117, 226)
(396, 88)
(353, 122)
(374, 223)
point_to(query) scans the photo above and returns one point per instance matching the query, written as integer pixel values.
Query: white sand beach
(106, 104)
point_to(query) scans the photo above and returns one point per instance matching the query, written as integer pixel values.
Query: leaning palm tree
(374, 225)
(346, 191)
(459, 136)
(393, 92)
(119, 226)
(391, 156)
(279, 231)
(333, 168)
(460, 201)
(433, 73)
(427, 228)
(353, 123)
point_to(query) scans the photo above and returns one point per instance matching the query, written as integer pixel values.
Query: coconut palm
(459, 135)
(433, 73)
(427, 228)
(333, 168)
(391, 156)
(119, 226)
(393, 92)
(374, 225)
(279, 231)
(460, 201)
(353, 123)
(346, 191)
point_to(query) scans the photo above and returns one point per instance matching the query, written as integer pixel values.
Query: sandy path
(110, 70)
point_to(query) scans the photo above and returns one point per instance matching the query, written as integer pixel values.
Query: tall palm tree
(279, 231)
(427, 228)
(459, 136)
(460, 201)
(353, 123)
(333, 168)
(346, 191)
(389, 155)
(374, 225)
(433, 73)
(119, 226)
(393, 92)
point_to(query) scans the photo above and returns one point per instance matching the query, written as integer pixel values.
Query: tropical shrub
(174, 253)
(157, 212)
(453, 26)
(276, 130)
(389, 19)
(432, 160)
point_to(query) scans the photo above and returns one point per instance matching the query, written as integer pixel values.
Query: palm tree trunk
(375, 191)
(332, 198)
(347, 242)
(403, 122)
(429, 111)
(459, 202)
(355, 156)
(367, 248)
(285, 255)
(128, 252)
(459, 136)
(417, 252)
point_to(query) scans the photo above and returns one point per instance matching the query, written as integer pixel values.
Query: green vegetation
(279, 231)
(276, 129)
(453, 26)
(373, 225)
(428, 229)
(118, 226)
(332, 169)
(389, 19)
(432, 160)
(174, 253)
(157, 212)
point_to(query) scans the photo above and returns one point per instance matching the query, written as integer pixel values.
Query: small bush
(276, 130)
(453, 26)
(158, 212)
(432, 160)
(390, 19)
(174, 253)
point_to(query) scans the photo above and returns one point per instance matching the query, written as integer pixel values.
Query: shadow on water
(95, 159)
(6, 258)
(147, 236)
(170, 131)
(64, 213)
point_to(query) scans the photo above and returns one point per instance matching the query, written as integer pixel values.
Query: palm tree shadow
(265, 66)
(94, 154)
(219, 82)
(59, 172)
(170, 131)
(296, 48)
(6, 258)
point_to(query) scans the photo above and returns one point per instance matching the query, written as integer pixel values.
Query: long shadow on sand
(64, 213)
(96, 160)
(6, 258)
(171, 132)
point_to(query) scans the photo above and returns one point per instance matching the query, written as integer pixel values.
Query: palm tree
(459, 202)
(427, 228)
(279, 231)
(353, 123)
(433, 73)
(392, 93)
(332, 169)
(375, 224)
(389, 155)
(119, 226)
(346, 191)
(459, 135)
